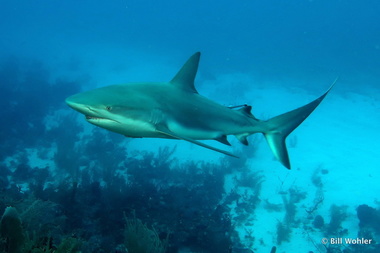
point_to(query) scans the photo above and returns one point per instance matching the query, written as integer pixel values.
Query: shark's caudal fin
(281, 126)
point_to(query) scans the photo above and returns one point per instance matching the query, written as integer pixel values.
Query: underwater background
(68, 186)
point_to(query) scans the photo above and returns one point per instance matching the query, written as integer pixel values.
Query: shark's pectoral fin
(164, 130)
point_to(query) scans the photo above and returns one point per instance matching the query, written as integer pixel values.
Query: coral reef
(67, 190)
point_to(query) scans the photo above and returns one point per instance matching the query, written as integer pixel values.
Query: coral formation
(140, 239)
(369, 217)
(11, 231)
(318, 222)
(337, 215)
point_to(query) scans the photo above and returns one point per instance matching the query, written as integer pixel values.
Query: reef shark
(175, 110)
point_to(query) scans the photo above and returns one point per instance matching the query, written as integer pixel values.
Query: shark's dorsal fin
(184, 79)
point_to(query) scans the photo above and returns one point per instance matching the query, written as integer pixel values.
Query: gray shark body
(175, 110)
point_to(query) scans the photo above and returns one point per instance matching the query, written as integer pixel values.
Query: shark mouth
(92, 119)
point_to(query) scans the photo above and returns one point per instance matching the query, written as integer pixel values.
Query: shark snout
(82, 108)
(85, 109)
(72, 104)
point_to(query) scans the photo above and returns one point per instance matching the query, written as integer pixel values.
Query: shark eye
(108, 108)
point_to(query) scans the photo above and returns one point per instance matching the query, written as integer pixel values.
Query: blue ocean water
(74, 184)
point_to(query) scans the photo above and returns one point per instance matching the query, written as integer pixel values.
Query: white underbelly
(135, 129)
(193, 133)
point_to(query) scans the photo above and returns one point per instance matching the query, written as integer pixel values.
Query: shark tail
(278, 128)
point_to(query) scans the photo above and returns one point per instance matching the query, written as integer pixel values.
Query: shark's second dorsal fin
(184, 79)
(246, 110)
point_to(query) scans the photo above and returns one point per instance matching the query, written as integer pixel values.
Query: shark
(175, 110)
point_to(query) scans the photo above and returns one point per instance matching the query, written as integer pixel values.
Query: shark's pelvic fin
(223, 139)
(279, 127)
(184, 79)
(164, 130)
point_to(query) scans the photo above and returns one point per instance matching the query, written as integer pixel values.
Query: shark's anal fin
(243, 138)
(164, 130)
